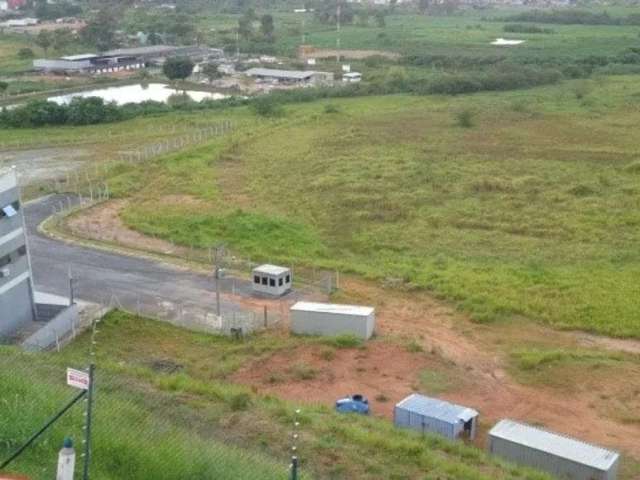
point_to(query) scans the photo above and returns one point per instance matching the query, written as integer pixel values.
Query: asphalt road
(148, 286)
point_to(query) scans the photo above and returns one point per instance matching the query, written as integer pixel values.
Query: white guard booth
(308, 318)
(271, 279)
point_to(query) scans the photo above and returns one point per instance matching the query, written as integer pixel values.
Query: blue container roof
(435, 408)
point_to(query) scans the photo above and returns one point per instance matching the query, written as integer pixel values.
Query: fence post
(266, 322)
(87, 430)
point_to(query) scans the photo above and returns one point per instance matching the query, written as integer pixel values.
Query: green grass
(164, 410)
(532, 211)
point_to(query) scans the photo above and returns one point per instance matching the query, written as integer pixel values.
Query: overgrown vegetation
(390, 188)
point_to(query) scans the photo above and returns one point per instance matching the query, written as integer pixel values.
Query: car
(353, 404)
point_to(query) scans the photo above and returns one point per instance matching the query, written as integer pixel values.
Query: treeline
(573, 17)
(519, 28)
(93, 110)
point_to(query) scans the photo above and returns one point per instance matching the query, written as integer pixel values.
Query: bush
(464, 118)
(346, 340)
(267, 106)
(519, 28)
(25, 53)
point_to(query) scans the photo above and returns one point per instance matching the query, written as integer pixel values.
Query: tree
(210, 70)
(177, 68)
(380, 19)
(245, 24)
(62, 38)
(44, 40)
(267, 27)
(100, 31)
(3, 87)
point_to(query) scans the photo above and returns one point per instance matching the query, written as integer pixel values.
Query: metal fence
(137, 424)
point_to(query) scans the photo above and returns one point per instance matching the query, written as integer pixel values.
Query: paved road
(103, 277)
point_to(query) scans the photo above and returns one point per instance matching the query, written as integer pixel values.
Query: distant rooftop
(281, 74)
(435, 408)
(159, 49)
(271, 269)
(333, 308)
(81, 56)
(558, 445)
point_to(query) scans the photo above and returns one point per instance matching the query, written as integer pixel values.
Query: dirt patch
(326, 53)
(103, 223)
(382, 371)
(43, 164)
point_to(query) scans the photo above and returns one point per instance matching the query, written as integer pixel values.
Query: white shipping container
(308, 318)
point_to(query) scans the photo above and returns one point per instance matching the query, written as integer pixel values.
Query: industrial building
(308, 318)
(123, 59)
(271, 279)
(558, 455)
(425, 414)
(291, 77)
(17, 305)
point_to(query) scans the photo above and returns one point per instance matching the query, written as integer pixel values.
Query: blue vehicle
(353, 404)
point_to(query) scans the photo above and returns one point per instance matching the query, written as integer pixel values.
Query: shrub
(331, 108)
(267, 106)
(240, 401)
(25, 53)
(464, 118)
(346, 340)
(302, 371)
(519, 28)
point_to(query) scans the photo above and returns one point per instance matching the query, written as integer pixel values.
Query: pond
(136, 93)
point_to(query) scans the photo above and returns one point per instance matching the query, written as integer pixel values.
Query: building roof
(333, 308)
(150, 49)
(281, 74)
(555, 444)
(271, 269)
(435, 408)
(79, 57)
(352, 75)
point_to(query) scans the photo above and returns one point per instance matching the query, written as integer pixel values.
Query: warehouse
(426, 414)
(271, 279)
(291, 77)
(309, 318)
(561, 456)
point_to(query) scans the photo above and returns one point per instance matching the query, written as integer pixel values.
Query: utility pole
(71, 295)
(338, 11)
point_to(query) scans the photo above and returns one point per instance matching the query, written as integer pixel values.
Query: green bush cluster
(520, 28)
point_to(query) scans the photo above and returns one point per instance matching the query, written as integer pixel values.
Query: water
(137, 93)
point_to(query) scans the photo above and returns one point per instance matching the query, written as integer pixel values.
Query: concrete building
(308, 318)
(291, 77)
(425, 414)
(17, 307)
(561, 456)
(271, 279)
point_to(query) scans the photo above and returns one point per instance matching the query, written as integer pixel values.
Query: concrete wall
(558, 466)
(60, 327)
(15, 308)
(331, 324)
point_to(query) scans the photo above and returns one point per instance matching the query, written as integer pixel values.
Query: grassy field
(531, 211)
(465, 35)
(9, 47)
(159, 382)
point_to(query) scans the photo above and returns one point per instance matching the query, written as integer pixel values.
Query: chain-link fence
(146, 421)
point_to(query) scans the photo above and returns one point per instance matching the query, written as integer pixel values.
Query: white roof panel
(282, 74)
(81, 56)
(9, 211)
(271, 269)
(435, 408)
(555, 444)
(333, 308)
